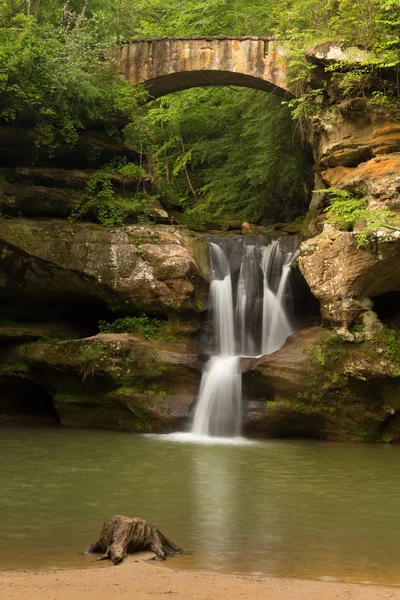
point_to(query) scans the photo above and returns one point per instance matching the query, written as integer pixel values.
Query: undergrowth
(91, 358)
(345, 210)
(144, 326)
(99, 195)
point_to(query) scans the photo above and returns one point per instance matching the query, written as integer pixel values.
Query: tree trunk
(81, 15)
(180, 138)
(124, 535)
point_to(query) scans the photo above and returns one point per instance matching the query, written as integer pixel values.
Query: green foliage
(144, 326)
(49, 339)
(92, 353)
(329, 352)
(99, 195)
(223, 155)
(51, 78)
(345, 210)
(319, 355)
(393, 344)
(356, 328)
(219, 155)
(92, 357)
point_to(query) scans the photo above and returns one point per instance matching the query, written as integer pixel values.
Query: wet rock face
(157, 268)
(316, 386)
(319, 386)
(356, 147)
(113, 381)
(59, 281)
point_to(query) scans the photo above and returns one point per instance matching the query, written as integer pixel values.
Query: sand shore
(138, 580)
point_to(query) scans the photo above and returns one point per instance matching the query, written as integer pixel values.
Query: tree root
(121, 536)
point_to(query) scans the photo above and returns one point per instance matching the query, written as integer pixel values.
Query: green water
(294, 508)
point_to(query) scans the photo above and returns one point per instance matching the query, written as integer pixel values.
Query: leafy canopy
(223, 155)
(52, 78)
(217, 154)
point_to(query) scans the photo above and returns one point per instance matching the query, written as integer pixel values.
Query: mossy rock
(118, 381)
(319, 386)
(132, 268)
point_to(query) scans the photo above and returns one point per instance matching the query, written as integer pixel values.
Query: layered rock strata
(319, 386)
(130, 268)
(356, 146)
(109, 381)
(345, 278)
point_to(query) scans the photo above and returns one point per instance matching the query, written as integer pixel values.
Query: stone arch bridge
(166, 65)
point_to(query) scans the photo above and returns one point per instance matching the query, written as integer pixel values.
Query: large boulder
(319, 386)
(113, 381)
(332, 52)
(132, 268)
(345, 278)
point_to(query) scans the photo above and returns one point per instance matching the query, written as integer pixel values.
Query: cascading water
(276, 326)
(250, 317)
(218, 407)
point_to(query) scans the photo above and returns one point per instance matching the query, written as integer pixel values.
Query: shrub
(143, 326)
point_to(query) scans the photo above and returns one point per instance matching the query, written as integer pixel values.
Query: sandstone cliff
(59, 279)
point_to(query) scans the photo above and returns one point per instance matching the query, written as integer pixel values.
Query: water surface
(294, 508)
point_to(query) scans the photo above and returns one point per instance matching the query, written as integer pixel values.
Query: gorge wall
(356, 145)
(59, 279)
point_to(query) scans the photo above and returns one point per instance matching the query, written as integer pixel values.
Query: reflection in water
(222, 514)
(214, 504)
(302, 509)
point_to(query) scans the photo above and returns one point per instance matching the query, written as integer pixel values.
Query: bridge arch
(166, 65)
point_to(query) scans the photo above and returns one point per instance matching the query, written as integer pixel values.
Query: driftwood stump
(124, 535)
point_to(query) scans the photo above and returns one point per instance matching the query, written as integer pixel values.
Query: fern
(345, 210)
(99, 195)
(143, 325)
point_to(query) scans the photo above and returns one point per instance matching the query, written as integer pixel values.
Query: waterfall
(248, 302)
(218, 407)
(250, 317)
(276, 326)
(222, 301)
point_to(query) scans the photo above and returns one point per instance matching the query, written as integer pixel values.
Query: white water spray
(254, 321)
(276, 326)
(218, 407)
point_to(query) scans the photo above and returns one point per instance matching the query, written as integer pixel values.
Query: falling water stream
(250, 317)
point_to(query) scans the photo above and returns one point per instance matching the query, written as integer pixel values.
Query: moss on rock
(118, 381)
(129, 268)
(320, 386)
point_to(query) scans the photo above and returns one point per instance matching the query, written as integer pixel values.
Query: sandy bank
(138, 580)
